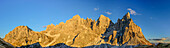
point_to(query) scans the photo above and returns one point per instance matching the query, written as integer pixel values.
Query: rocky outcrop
(79, 32)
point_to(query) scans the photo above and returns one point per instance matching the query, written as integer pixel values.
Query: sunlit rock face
(128, 33)
(79, 32)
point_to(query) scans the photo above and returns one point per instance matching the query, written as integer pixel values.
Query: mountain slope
(4, 44)
(79, 32)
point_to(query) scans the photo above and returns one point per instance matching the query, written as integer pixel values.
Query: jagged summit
(79, 32)
(127, 16)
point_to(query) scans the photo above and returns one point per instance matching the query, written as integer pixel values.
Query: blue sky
(152, 16)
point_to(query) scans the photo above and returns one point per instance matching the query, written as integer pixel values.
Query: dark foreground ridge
(79, 32)
(62, 45)
(4, 44)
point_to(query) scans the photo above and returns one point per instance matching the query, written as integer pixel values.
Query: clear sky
(152, 16)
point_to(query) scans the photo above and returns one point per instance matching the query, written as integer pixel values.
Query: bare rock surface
(79, 32)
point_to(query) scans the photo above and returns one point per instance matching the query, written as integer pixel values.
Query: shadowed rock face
(4, 44)
(79, 32)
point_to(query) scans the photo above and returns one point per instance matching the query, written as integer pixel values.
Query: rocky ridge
(79, 32)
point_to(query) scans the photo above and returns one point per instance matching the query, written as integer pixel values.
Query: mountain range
(79, 32)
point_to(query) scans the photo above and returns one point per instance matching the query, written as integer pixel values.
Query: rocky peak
(103, 21)
(130, 33)
(127, 16)
(18, 33)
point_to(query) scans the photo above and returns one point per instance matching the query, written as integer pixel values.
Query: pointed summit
(127, 16)
(102, 17)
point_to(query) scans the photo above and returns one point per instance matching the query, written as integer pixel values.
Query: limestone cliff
(79, 32)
